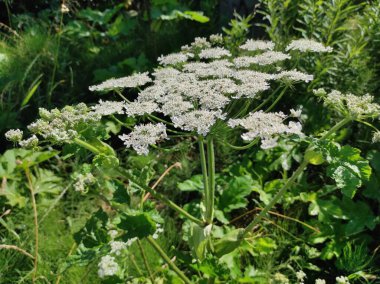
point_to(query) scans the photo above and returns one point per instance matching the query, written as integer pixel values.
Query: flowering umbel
(191, 91)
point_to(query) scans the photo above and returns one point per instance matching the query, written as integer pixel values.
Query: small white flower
(174, 58)
(300, 275)
(31, 142)
(198, 120)
(140, 108)
(305, 45)
(133, 81)
(214, 53)
(294, 75)
(253, 45)
(144, 135)
(108, 107)
(295, 113)
(376, 137)
(14, 135)
(112, 233)
(342, 280)
(266, 58)
(216, 38)
(117, 247)
(320, 281)
(107, 266)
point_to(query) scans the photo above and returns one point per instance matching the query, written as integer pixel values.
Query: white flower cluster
(107, 266)
(61, 125)
(104, 108)
(140, 108)
(158, 231)
(214, 53)
(198, 44)
(193, 94)
(376, 137)
(305, 45)
(174, 58)
(14, 135)
(266, 58)
(83, 181)
(30, 143)
(118, 246)
(320, 281)
(342, 280)
(294, 75)
(300, 276)
(253, 45)
(133, 81)
(144, 135)
(216, 39)
(265, 126)
(197, 120)
(351, 104)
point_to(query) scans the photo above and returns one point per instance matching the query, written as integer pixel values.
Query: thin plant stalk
(146, 263)
(204, 171)
(164, 199)
(35, 215)
(211, 180)
(165, 257)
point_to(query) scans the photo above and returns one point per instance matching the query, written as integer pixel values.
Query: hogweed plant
(198, 94)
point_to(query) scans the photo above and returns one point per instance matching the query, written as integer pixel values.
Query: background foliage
(328, 225)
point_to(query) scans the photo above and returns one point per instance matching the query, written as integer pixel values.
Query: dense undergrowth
(96, 218)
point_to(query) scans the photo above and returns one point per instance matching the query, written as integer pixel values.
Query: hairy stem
(165, 257)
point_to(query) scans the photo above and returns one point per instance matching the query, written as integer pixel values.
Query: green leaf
(197, 16)
(235, 193)
(314, 158)
(31, 92)
(198, 241)
(195, 183)
(136, 224)
(94, 233)
(228, 243)
(346, 167)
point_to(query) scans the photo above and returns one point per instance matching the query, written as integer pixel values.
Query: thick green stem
(86, 145)
(204, 170)
(211, 180)
(165, 257)
(146, 263)
(164, 199)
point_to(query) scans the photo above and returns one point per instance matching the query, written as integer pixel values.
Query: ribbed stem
(206, 193)
(211, 180)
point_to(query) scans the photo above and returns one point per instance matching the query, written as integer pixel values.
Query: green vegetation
(233, 150)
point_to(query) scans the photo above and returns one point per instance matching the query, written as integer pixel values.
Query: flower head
(14, 135)
(133, 81)
(107, 266)
(144, 135)
(253, 45)
(305, 45)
